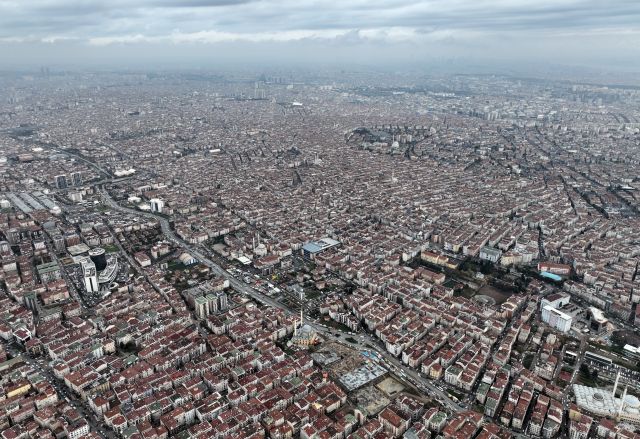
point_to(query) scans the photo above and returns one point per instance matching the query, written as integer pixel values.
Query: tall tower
(90, 278)
(295, 326)
(615, 386)
(624, 395)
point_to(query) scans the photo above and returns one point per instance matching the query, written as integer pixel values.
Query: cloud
(88, 18)
(544, 26)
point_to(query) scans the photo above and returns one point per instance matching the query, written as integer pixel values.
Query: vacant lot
(219, 248)
(335, 325)
(391, 387)
(496, 294)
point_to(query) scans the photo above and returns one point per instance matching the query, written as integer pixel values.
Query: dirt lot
(496, 294)
(391, 387)
(219, 248)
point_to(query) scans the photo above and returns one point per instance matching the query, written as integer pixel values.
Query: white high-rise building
(556, 318)
(76, 178)
(89, 275)
(156, 205)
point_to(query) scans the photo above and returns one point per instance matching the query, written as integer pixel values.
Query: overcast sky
(210, 32)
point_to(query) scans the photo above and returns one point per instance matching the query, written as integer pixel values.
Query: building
(89, 275)
(393, 424)
(596, 402)
(490, 254)
(556, 301)
(222, 300)
(71, 239)
(61, 181)
(187, 259)
(554, 268)
(30, 300)
(75, 196)
(452, 375)
(143, 259)
(99, 258)
(110, 272)
(156, 204)
(556, 319)
(579, 427)
(13, 236)
(49, 272)
(77, 429)
(201, 307)
(606, 428)
(313, 249)
(304, 336)
(597, 321)
(76, 178)
(58, 244)
(267, 264)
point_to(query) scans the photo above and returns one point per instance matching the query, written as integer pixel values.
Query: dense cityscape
(318, 254)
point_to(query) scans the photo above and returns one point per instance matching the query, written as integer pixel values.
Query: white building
(75, 196)
(490, 254)
(89, 275)
(156, 205)
(556, 301)
(556, 319)
(597, 402)
(77, 429)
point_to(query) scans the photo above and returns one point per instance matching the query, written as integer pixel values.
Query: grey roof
(361, 376)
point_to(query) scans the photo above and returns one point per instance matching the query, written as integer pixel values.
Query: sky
(207, 33)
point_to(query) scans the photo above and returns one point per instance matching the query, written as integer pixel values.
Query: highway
(238, 285)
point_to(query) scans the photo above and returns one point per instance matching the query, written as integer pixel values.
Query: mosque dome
(631, 401)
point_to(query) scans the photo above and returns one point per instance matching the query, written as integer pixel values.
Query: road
(576, 371)
(554, 380)
(244, 288)
(71, 286)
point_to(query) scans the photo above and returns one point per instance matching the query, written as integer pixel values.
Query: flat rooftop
(362, 375)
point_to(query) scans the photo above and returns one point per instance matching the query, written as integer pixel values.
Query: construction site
(339, 359)
(367, 381)
(357, 371)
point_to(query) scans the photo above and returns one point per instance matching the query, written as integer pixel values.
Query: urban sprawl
(318, 254)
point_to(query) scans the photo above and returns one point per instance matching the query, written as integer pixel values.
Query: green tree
(585, 370)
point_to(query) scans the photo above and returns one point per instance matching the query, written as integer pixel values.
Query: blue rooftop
(551, 275)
